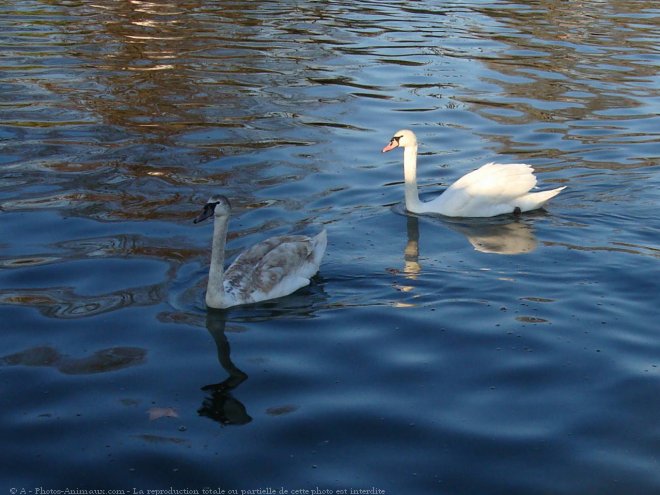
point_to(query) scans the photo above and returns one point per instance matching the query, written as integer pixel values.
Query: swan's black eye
(396, 138)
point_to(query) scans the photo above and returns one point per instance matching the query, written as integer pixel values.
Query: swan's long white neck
(215, 289)
(413, 204)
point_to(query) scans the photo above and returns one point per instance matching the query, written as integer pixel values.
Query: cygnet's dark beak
(209, 209)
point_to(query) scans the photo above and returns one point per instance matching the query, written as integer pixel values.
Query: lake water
(511, 355)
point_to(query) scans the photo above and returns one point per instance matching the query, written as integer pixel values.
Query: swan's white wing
(490, 190)
(498, 180)
(274, 268)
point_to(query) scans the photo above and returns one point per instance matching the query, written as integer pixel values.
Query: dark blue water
(512, 355)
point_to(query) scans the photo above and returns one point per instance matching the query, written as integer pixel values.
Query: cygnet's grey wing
(272, 268)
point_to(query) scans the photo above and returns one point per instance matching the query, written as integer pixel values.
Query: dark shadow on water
(65, 303)
(102, 361)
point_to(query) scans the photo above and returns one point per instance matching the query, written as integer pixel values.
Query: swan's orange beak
(393, 144)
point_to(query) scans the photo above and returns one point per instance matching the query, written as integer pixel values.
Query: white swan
(270, 269)
(493, 189)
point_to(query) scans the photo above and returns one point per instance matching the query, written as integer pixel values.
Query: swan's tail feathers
(320, 242)
(548, 195)
(538, 199)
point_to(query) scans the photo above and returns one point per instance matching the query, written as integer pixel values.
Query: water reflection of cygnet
(221, 405)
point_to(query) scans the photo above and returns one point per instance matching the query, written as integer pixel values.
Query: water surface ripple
(430, 355)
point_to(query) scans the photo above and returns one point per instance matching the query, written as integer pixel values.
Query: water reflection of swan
(504, 235)
(220, 405)
(270, 269)
(508, 236)
(411, 266)
(494, 189)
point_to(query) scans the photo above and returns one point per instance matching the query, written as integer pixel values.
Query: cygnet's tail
(320, 242)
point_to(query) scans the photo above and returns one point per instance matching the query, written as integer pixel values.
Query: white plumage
(270, 269)
(493, 189)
